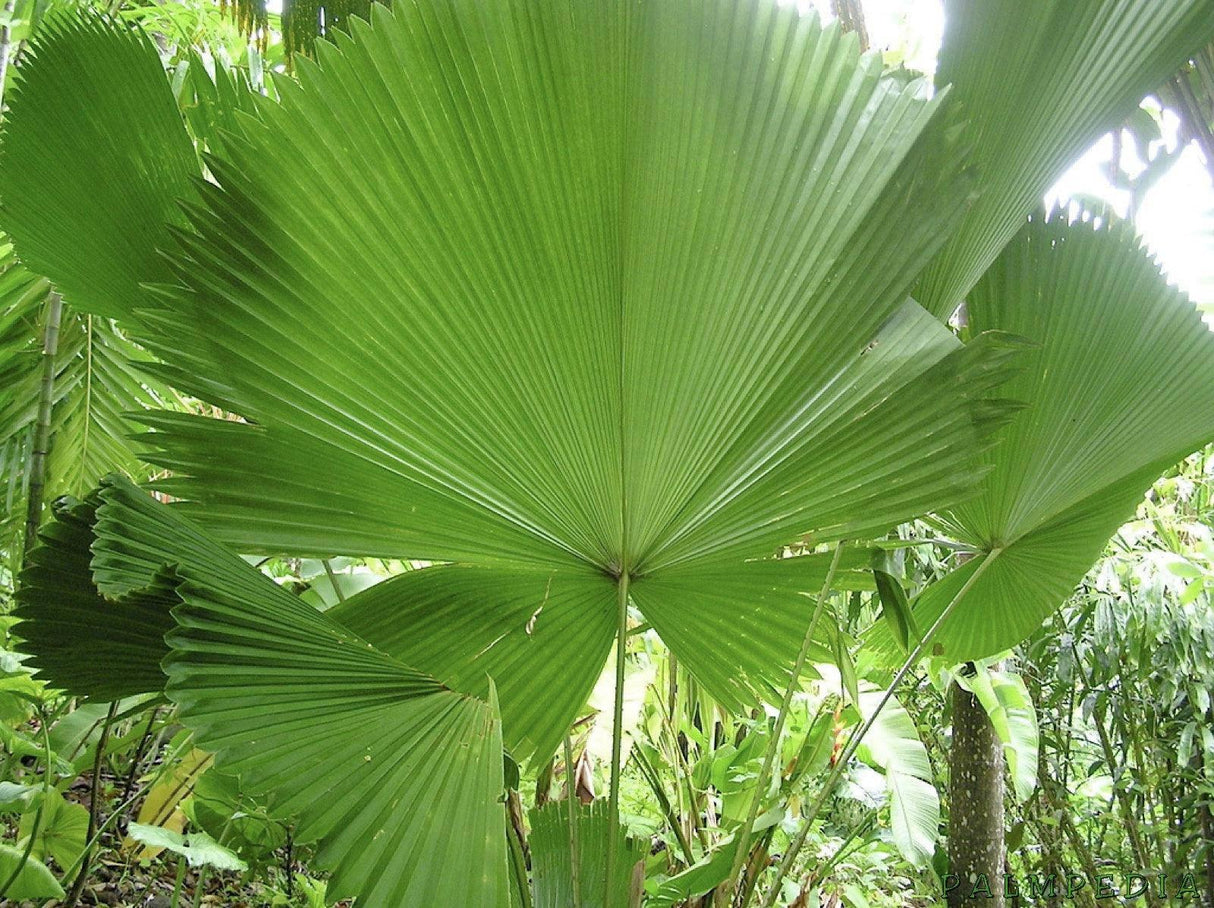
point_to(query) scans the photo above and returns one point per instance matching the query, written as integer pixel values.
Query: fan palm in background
(598, 307)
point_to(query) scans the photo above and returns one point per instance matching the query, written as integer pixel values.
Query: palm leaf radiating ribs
(560, 292)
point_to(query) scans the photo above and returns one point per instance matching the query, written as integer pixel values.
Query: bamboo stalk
(42, 429)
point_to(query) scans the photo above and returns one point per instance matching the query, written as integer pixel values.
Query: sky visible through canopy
(1175, 217)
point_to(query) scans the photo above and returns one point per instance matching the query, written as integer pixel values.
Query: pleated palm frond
(1039, 84)
(589, 311)
(1120, 388)
(106, 383)
(102, 376)
(117, 202)
(599, 302)
(542, 634)
(398, 777)
(98, 388)
(561, 876)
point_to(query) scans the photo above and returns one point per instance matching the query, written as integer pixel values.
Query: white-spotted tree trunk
(975, 831)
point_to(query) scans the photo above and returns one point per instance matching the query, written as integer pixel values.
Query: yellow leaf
(162, 806)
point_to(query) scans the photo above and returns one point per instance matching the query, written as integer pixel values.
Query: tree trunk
(975, 835)
(850, 14)
(1207, 833)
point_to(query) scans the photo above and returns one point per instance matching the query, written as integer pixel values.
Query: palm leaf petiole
(857, 737)
(773, 745)
(617, 730)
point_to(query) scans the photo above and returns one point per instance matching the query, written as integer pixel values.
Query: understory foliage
(547, 454)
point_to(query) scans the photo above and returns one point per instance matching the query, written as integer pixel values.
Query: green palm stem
(81, 486)
(756, 861)
(94, 802)
(120, 811)
(179, 883)
(42, 429)
(683, 788)
(204, 872)
(773, 745)
(855, 840)
(857, 737)
(129, 783)
(650, 772)
(518, 862)
(570, 806)
(617, 731)
(329, 572)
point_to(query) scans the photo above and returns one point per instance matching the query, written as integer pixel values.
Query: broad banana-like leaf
(914, 804)
(701, 877)
(1039, 84)
(558, 847)
(34, 879)
(1120, 388)
(1014, 718)
(611, 289)
(407, 810)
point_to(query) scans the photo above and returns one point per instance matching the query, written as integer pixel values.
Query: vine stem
(617, 735)
(773, 745)
(94, 790)
(123, 807)
(853, 743)
(331, 574)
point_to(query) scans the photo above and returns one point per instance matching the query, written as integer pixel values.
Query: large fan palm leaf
(1119, 389)
(616, 289)
(581, 296)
